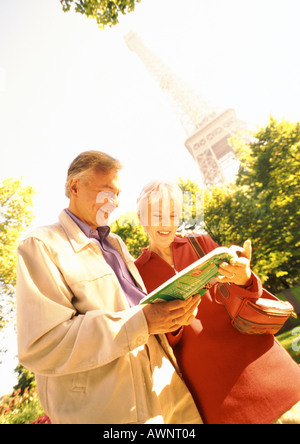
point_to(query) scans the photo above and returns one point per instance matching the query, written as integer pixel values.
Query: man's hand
(238, 271)
(164, 317)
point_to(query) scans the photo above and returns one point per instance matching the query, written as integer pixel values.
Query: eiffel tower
(207, 128)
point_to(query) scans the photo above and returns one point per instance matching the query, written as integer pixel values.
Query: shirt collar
(101, 232)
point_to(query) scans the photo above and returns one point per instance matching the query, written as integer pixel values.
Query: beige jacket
(92, 355)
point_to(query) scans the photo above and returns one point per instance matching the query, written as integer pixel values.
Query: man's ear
(73, 187)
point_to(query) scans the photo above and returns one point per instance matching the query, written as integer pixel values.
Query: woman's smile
(164, 233)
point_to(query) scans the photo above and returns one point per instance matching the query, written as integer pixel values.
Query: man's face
(92, 193)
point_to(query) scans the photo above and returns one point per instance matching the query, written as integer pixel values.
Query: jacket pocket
(79, 382)
(87, 272)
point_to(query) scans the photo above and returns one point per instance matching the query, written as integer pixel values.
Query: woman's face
(162, 222)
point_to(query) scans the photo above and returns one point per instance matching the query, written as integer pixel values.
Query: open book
(194, 279)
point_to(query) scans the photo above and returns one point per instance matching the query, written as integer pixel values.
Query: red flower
(44, 419)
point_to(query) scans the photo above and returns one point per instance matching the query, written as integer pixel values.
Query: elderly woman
(234, 378)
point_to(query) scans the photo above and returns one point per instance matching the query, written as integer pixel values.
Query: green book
(194, 279)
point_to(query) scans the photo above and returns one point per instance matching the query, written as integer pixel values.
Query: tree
(106, 12)
(131, 232)
(193, 206)
(270, 175)
(16, 215)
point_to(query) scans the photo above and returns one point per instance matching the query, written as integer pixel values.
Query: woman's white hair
(156, 191)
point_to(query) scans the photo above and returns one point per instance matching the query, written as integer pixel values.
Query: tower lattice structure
(207, 128)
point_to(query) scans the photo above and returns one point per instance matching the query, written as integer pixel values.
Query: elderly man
(99, 356)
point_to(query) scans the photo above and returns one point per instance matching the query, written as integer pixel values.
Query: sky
(66, 86)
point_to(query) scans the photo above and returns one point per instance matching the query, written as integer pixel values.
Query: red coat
(234, 378)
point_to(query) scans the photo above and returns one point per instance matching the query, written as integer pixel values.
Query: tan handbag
(262, 316)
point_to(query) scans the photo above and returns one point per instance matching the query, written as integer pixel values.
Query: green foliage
(20, 408)
(130, 231)
(227, 211)
(106, 12)
(16, 215)
(288, 340)
(193, 206)
(26, 379)
(271, 176)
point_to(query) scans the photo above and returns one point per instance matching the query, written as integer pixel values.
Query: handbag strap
(196, 246)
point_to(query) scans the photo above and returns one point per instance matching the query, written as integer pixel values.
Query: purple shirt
(133, 293)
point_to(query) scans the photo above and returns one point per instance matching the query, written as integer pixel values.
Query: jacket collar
(76, 236)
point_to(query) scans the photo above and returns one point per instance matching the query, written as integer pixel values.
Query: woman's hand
(238, 271)
(164, 317)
